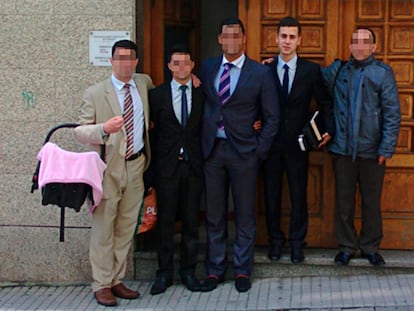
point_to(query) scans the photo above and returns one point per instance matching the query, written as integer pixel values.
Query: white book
(314, 126)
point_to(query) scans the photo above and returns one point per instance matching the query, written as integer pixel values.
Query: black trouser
(369, 176)
(178, 195)
(295, 164)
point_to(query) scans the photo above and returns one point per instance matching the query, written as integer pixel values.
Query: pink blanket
(58, 165)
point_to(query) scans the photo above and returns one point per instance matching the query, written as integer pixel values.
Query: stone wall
(43, 72)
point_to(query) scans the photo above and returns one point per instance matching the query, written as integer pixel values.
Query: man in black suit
(176, 110)
(238, 91)
(297, 81)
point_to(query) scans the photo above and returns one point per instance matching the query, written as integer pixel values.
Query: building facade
(45, 67)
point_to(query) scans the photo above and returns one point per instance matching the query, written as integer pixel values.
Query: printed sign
(100, 45)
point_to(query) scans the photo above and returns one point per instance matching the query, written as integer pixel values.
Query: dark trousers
(223, 169)
(369, 176)
(178, 195)
(295, 164)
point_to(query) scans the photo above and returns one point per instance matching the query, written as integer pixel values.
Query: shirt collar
(292, 63)
(238, 62)
(119, 84)
(176, 86)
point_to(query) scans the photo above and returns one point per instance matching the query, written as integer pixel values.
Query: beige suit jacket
(100, 103)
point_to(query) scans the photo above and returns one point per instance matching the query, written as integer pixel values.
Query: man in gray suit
(238, 91)
(127, 156)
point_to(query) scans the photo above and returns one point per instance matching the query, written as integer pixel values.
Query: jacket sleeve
(391, 115)
(89, 132)
(325, 102)
(329, 74)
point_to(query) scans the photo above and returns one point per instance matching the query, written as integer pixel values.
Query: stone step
(318, 262)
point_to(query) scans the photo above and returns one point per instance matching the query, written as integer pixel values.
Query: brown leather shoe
(122, 291)
(105, 297)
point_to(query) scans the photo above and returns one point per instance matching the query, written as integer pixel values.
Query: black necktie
(184, 108)
(285, 85)
(184, 116)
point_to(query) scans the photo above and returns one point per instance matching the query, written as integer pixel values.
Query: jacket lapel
(112, 100)
(143, 92)
(168, 102)
(245, 76)
(214, 71)
(195, 104)
(298, 77)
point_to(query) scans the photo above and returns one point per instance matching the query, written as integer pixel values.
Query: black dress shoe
(296, 255)
(374, 258)
(275, 252)
(342, 258)
(242, 283)
(161, 284)
(211, 283)
(191, 282)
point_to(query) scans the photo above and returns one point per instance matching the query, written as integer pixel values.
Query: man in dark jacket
(238, 90)
(298, 82)
(367, 121)
(176, 110)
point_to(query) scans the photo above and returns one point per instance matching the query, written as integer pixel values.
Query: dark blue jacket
(255, 97)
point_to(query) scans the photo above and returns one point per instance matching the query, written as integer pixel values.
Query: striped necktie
(224, 84)
(129, 121)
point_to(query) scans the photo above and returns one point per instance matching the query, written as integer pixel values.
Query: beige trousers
(113, 227)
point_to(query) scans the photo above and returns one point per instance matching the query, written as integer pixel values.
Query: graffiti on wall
(29, 98)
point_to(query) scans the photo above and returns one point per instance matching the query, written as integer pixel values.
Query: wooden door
(327, 26)
(168, 22)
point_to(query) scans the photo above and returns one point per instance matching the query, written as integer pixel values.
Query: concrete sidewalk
(363, 292)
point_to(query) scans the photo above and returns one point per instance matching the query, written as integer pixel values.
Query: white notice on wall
(100, 45)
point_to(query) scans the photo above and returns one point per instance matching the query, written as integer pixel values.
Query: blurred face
(362, 44)
(181, 66)
(124, 62)
(232, 40)
(288, 40)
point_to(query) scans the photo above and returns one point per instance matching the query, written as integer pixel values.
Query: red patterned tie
(129, 121)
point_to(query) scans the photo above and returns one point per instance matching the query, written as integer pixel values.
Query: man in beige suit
(114, 220)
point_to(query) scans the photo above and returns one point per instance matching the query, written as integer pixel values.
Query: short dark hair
(231, 21)
(289, 21)
(126, 44)
(370, 30)
(178, 48)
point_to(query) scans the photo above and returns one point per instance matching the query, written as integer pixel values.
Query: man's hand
(196, 80)
(268, 60)
(325, 139)
(113, 125)
(257, 125)
(381, 160)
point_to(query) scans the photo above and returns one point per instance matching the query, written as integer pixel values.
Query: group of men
(214, 133)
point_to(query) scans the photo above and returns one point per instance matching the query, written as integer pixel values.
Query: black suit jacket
(254, 97)
(307, 84)
(168, 136)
